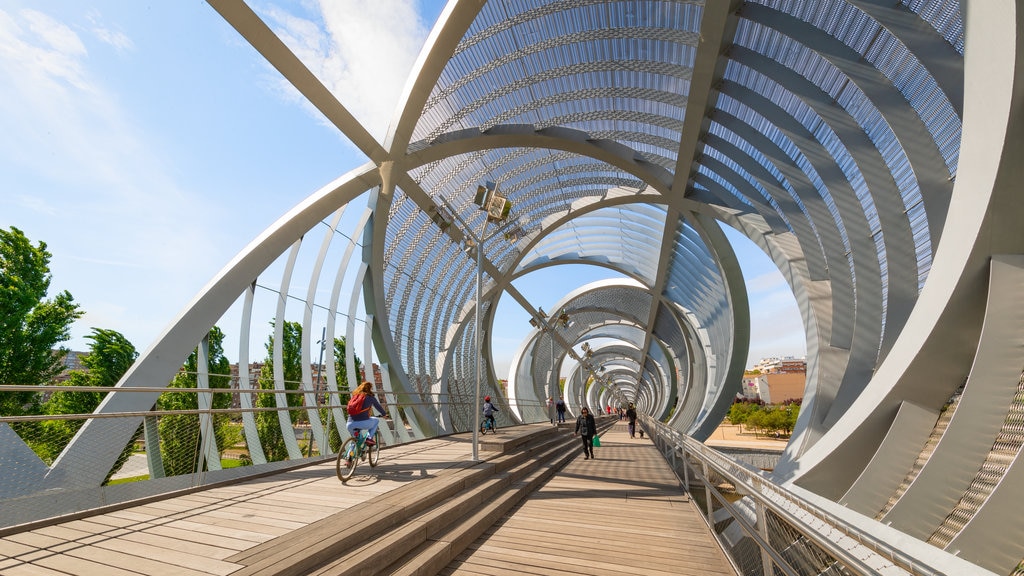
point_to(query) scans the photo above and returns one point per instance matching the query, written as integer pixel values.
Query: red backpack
(356, 404)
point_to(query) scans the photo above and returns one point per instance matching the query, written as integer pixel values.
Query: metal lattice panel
(625, 133)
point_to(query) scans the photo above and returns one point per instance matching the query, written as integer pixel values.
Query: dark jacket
(631, 415)
(591, 424)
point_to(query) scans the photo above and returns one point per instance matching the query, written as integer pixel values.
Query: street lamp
(497, 207)
(476, 244)
(316, 391)
(552, 379)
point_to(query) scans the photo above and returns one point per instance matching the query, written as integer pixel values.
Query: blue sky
(146, 144)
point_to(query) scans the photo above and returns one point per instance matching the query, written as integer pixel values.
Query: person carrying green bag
(586, 427)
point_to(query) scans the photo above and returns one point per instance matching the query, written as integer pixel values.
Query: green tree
(180, 440)
(339, 364)
(739, 412)
(757, 419)
(341, 371)
(792, 411)
(267, 423)
(110, 356)
(31, 326)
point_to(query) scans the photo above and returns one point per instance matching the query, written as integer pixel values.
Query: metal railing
(182, 447)
(766, 528)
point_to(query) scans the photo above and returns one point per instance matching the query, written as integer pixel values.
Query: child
(489, 411)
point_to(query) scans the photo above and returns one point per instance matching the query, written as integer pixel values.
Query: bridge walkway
(623, 511)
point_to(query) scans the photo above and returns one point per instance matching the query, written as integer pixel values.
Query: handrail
(863, 551)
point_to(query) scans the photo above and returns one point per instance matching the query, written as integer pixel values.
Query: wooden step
(505, 440)
(368, 559)
(353, 541)
(435, 554)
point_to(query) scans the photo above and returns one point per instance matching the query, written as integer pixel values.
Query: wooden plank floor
(627, 504)
(621, 513)
(197, 534)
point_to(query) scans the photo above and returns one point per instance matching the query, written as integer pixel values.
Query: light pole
(477, 245)
(476, 345)
(316, 388)
(497, 208)
(552, 383)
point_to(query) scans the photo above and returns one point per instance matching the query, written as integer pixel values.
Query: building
(776, 380)
(72, 362)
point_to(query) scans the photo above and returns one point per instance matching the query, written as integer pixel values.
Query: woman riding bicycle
(360, 418)
(489, 411)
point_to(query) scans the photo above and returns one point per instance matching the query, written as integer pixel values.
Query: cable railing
(766, 528)
(188, 444)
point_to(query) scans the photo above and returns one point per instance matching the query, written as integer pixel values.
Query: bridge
(870, 148)
(421, 510)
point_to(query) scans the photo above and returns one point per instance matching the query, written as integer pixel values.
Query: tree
(267, 423)
(766, 418)
(180, 440)
(31, 326)
(110, 356)
(341, 371)
(339, 363)
(740, 411)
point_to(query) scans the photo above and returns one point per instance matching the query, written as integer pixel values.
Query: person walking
(560, 408)
(631, 416)
(586, 428)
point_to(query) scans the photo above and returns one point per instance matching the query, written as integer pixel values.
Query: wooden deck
(623, 511)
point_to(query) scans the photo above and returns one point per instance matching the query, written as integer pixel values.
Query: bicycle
(354, 450)
(488, 426)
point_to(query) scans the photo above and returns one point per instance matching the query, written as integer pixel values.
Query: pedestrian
(631, 416)
(560, 408)
(551, 410)
(586, 427)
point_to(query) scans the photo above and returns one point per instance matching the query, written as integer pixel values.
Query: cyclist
(359, 417)
(489, 411)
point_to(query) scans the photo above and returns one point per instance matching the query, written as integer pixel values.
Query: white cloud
(82, 174)
(37, 205)
(41, 47)
(362, 51)
(119, 40)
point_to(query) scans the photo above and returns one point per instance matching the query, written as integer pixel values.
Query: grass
(224, 463)
(128, 480)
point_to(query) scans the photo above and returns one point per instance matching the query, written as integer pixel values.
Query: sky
(146, 143)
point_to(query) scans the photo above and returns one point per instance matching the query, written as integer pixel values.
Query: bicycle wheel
(348, 458)
(375, 450)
